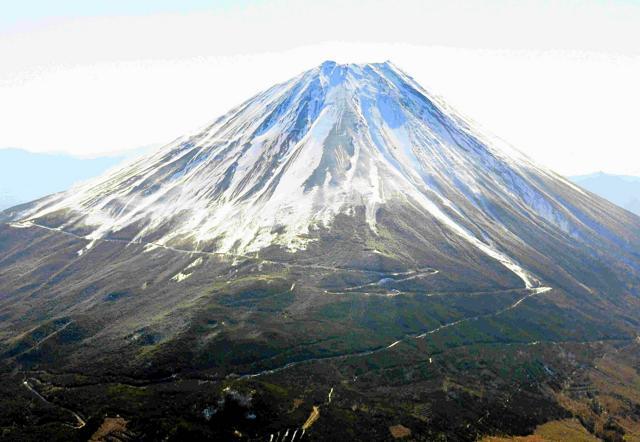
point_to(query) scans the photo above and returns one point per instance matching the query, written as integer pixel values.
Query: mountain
(341, 256)
(622, 190)
(48, 173)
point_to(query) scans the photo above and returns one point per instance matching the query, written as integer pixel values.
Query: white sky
(559, 80)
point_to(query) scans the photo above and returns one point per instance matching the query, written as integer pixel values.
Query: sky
(557, 79)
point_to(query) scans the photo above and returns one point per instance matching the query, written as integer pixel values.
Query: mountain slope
(329, 141)
(343, 225)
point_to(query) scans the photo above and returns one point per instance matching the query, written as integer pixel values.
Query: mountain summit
(307, 257)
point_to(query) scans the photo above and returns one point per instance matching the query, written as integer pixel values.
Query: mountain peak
(333, 63)
(341, 139)
(357, 72)
(327, 64)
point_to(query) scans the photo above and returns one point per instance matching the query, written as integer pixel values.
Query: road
(80, 422)
(406, 338)
(407, 276)
(28, 224)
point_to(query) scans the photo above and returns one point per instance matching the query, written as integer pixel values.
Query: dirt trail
(313, 417)
(531, 292)
(81, 422)
(388, 278)
(218, 254)
(408, 275)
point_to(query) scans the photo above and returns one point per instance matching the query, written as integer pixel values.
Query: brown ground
(399, 431)
(606, 395)
(296, 403)
(314, 416)
(112, 429)
(566, 430)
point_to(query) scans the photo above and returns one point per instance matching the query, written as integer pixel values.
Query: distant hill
(623, 190)
(25, 176)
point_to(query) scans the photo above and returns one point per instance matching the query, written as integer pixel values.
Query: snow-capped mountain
(329, 141)
(345, 229)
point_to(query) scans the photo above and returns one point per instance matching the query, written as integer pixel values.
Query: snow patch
(179, 277)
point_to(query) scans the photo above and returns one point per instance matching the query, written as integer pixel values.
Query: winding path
(409, 337)
(28, 224)
(81, 423)
(408, 276)
(532, 291)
